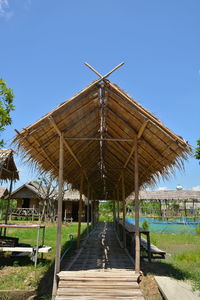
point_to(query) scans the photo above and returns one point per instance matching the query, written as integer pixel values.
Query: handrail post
(137, 234)
(59, 225)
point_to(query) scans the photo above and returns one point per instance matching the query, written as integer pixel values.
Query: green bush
(145, 225)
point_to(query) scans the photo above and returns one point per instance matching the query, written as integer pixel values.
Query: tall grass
(182, 259)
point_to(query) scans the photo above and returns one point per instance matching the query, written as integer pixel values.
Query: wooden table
(34, 250)
(130, 228)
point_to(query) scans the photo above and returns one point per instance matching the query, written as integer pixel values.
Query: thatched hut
(8, 169)
(106, 145)
(3, 192)
(30, 197)
(8, 172)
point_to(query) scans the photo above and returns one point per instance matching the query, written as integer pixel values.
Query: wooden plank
(98, 284)
(95, 291)
(95, 297)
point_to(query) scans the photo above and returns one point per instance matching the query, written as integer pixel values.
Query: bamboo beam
(149, 116)
(67, 146)
(65, 143)
(99, 139)
(59, 224)
(38, 146)
(124, 210)
(137, 234)
(80, 211)
(101, 77)
(139, 135)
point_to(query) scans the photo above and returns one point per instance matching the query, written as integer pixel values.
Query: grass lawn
(182, 259)
(19, 273)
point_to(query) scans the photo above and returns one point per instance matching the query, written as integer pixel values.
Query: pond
(178, 225)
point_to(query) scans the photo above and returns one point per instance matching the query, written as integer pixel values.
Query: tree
(6, 106)
(197, 150)
(47, 192)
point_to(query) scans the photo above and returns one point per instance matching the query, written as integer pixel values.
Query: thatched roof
(168, 195)
(28, 190)
(34, 190)
(8, 169)
(3, 192)
(100, 126)
(73, 195)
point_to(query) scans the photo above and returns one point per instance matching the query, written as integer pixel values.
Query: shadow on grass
(45, 285)
(159, 268)
(12, 261)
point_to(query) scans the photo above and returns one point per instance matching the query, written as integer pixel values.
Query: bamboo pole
(118, 215)
(114, 212)
(92, 210)
(137, 234)
(124, 210)
(88, 209)
(80, 211)
(59, 225)
(8, 203)
(114, 207)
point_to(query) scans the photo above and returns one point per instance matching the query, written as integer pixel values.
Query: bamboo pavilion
(104, 144)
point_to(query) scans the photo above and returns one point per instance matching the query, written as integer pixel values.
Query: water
(179, 225)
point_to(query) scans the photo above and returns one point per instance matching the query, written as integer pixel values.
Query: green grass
(19, 273)
(182, 259)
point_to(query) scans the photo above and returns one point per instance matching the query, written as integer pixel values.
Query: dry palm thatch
(169, 195)
(8, 169)
(100, 126)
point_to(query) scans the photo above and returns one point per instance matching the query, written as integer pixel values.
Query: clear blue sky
(45, 43)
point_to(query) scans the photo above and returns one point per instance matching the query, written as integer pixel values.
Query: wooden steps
(96, 285)
(101, 270)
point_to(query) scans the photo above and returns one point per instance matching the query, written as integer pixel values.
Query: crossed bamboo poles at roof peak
(103, 77)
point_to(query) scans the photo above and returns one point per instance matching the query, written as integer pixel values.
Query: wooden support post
(92, 209)
(8, 204)
(137, 233)
(88, 209)
(124, 210)
(118, 207)
(59, 224)
(114, 207)
(33, 209)
(80, 211)
(114, 212)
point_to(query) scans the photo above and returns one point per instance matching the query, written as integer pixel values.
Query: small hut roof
(100, 126)
(8, 169)
(73, 195)
(34, 190)
(3, 192)
(169, 195)
(28, 190)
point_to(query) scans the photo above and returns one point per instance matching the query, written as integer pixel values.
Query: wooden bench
(155, 251)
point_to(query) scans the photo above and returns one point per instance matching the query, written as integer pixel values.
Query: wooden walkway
(101, 270)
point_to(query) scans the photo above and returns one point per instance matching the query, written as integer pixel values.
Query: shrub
(145, 225)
